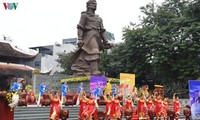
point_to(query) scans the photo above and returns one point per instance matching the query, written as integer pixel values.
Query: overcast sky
(43, 22)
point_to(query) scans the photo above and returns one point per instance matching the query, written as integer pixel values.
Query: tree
(164, 46)
(64, 60)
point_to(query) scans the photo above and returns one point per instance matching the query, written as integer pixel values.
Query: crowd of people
(115, 107)
(139, 104)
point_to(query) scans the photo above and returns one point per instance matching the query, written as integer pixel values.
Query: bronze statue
(91, 37)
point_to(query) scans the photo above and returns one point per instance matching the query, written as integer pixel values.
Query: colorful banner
(127, 81)
(95, 81)
(194, 87)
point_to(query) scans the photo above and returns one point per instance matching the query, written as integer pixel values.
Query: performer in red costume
(83, 103)
(108, 99)
(129, 103)
(32, 97)
(55, 106)
(142, 107)
(176, 105)
(158, 110)
(165, 108)
(115, 112)
(90, 109)
(150, 104)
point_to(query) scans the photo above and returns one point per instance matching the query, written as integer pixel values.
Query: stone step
(39, 111)
(32, 118)
(47, 107)
(42, 113)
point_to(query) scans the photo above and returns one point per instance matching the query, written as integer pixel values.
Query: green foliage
(164, 46)
(64, 60)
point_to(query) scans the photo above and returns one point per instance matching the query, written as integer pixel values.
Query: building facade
(13, 63)
(47, 56)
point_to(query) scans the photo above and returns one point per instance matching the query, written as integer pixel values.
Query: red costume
(165, 108)
(141, 108)
(158, 107)
(55, 106)
(89, 110)
(83, 104)
(150, 105)
(177, 107)
(128, 105)
(115, 110)
(108, 107)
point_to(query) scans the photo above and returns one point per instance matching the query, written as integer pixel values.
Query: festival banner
(95, 81)
(127, 81)
(194, 87)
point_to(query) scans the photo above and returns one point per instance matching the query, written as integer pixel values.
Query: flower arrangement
(86, 78)
(12, 98)
(114, 79)
(36, 71)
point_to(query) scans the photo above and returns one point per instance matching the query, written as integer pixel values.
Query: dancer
(55, 106)
(142, 107)
(129, 103)
(165, 108)
(32, 97)
(17, 85)
(42, 89)
(176, 105)
(108, 100)
(64, 92)
(150, 104)
(134, 93)
(114, 90)
(83, 103)
(97, 92)
(108, 88)
(80, 89)
(158, 110)
(90, 109)
(115, 112)
(129, 107)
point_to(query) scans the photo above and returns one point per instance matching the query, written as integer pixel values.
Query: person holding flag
(97, 91)
(64, 92)
(114, 90)
(80, 90)
(42, 89)
(17, 85)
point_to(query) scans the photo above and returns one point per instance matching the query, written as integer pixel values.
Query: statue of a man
(91, 37)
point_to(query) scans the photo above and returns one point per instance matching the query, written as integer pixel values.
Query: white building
(46, 59)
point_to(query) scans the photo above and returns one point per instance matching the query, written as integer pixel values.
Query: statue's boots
(94, 68)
